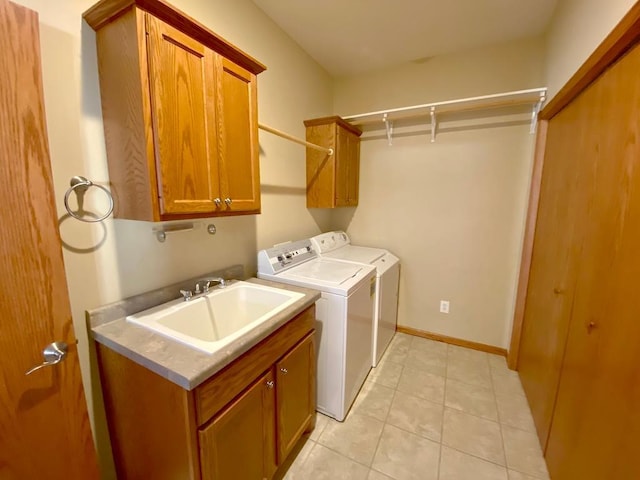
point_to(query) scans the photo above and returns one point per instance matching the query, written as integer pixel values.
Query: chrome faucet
(206, 283)
(202, 287)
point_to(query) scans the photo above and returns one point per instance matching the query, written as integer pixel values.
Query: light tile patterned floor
(429, 411)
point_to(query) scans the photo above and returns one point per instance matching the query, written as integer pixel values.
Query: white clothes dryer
(344, 317)
(337, 246)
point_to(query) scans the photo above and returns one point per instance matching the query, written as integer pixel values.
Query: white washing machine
(337, 246)
(344, 317)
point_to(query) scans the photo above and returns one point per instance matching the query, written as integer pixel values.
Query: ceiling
(355, 36)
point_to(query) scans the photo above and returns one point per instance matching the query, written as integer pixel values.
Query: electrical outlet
(444, 306)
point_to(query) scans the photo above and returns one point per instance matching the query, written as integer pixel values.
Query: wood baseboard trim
(452, 340)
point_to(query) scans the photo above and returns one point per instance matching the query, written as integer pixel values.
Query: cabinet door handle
(284, 371)
(270, 384)
(217, 201)
(591, 326)
(228, 201)
(558, 290)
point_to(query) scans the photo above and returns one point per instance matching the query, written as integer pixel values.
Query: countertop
(170, 359)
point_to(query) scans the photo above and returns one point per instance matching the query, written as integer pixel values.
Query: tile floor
(429, 411)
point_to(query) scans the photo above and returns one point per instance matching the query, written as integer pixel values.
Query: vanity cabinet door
(296, 379)
(240, 441)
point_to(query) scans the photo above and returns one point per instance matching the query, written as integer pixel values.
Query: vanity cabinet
(179, 108)
(333, 180)
(241, 423)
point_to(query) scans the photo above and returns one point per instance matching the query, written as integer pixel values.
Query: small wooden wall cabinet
(242, 423)
(333, 180)
(179, 108)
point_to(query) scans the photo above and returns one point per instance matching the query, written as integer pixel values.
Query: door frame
(621, 39)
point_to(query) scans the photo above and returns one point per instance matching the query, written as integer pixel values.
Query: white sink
(214, 320)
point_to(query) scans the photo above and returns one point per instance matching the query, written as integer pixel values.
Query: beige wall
(123, 257)
(453, 211)
(576, 30)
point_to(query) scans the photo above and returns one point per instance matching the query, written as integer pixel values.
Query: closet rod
(533, 95)
(282, 134)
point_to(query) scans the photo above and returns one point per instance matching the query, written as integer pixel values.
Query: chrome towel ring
(80, 185)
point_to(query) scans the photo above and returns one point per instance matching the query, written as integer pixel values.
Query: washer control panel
(326, 242)
(283, 256)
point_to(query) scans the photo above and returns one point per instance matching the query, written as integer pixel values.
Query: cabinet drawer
(214, 394)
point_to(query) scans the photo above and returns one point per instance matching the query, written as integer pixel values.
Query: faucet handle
(186, 294)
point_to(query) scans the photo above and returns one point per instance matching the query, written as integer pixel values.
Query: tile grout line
(495, 400)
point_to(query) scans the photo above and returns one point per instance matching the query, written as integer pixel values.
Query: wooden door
(240, 442)
(596, 424)
(182, 82)
(562, 216)
(238, 142)
(44, 425)
(296, 404)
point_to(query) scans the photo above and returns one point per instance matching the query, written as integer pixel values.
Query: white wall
(453, 211)
(575, 31)
(121, 258)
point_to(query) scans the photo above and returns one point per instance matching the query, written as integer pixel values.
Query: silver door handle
(53, 353)
(228, 201)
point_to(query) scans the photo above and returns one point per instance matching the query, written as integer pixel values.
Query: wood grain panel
(342, 167)
(214, 394)
(238, 139)
(353, 175)
(107, 11)
(181, 72)
(567, 179)
(596, 424)
(321, 167)
(44, 425)
(143, 408)
(122, 65)
(240, 442)
(296, 396)
(527, 247)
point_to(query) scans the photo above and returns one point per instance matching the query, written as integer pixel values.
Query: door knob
(558, 290)
(270, 384)
(591, 326)
(284, 371)
(217, 201)
(228, 201)
(53, 353)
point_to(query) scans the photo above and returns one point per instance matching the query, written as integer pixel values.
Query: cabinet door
(296, 394)
(240, 442)
(321, 167)
(238, 142)
(596, 423)
(353, 170)
(181, 77)
(342, 159)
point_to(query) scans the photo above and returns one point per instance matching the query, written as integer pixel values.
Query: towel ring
(80, 185)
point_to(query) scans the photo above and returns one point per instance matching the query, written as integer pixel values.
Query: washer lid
(356, 254)
(332, 273)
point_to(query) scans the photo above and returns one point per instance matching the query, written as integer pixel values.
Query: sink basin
(214, 320)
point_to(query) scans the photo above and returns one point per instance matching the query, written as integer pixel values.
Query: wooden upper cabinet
(180, 114)
(238, 147)
(333, 180)
(182, 83)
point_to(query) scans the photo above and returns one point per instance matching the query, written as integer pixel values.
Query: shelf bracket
(434, 124)
(535, 112)
(389, 124)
